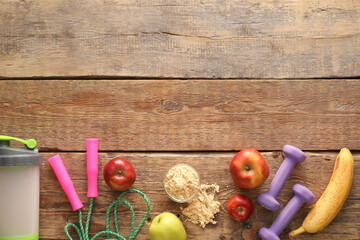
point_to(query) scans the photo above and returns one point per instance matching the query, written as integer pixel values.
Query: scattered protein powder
(182, 183)
(202, 209)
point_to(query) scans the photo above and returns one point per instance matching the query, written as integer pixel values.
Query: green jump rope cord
(84, 233)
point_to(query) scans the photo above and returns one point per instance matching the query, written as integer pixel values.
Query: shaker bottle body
(19, 202)
(19, 191)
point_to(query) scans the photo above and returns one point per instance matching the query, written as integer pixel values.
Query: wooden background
(161, 82)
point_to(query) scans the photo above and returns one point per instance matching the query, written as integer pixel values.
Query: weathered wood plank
(181, 39)
(183, 115)
(314, 173)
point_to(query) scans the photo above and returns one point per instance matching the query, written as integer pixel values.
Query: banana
(333, 198)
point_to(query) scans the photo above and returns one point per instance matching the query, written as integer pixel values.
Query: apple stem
(241, 210)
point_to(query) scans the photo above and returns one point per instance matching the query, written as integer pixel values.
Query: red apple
(249, 169)
(119, 174)
(239, 207)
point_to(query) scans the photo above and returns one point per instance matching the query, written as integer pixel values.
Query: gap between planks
(150, 78)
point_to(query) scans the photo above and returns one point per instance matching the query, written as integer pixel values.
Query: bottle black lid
(18, 156)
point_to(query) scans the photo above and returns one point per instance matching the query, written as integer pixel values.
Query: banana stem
(296, 232)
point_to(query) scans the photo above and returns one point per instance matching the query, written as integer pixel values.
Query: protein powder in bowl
(182, 183)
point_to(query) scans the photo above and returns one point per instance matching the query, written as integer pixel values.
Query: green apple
(167, 226)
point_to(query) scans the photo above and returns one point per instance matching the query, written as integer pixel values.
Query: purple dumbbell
(302, 194)
(268, 199)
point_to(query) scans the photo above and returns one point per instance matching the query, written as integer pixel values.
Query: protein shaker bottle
(19, 190)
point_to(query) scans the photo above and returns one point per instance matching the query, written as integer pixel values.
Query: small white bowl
(182, 200)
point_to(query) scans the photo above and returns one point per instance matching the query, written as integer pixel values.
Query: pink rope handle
(65, 182)
(92, 166)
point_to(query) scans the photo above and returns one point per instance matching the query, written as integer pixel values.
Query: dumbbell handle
(281, 177)
(286, 215)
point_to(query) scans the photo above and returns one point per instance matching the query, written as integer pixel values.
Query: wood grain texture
(180, 38)
(314, 173)
(183, 115)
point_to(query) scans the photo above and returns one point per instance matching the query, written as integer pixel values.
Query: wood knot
(168, 106)
(276, 154)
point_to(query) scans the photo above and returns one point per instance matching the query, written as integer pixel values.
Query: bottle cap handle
(30, 143)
